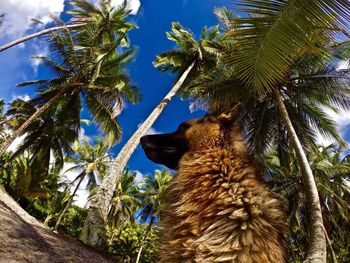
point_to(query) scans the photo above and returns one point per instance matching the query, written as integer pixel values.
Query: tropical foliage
(276, 63)
(281, 88)
(86, 71)
(191, 58)
(332, 170)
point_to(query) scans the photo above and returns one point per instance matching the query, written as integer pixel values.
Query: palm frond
(276, 33)
(102, 110)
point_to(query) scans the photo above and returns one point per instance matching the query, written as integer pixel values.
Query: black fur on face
(168, 148)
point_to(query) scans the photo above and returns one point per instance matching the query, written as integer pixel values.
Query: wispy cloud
(83, 136)
(152, 130)
(19, 15)
(17, 142)
(342, 119)
(139, 177)
(133, 5)
(40, 51)
(68, 175)
(24, 97)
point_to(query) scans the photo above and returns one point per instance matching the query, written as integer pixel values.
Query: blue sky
(153, 18)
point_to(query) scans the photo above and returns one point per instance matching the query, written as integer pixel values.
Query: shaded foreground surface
(24, 239)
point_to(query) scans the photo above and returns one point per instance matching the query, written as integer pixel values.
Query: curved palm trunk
(37, 34)
(317, 248)
(68, 203)
(30, 120)
(93, 232)
(143, 240)
(47, 220)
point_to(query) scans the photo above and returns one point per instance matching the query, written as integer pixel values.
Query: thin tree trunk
(317, 249)
(93, 232)
(47, 220)
(143, 240)
(30, 120)
(37, 34)
(68, 203)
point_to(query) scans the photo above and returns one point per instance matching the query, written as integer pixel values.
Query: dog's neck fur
(220, 210)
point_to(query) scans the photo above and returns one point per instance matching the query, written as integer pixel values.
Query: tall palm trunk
(93, 232)
(37, 34)
(317, 248)
(30, 120)
(69, 202)
(143, 239)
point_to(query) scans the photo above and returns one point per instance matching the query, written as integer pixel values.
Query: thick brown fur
(218, 208)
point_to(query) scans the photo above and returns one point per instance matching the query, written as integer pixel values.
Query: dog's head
(192, 135)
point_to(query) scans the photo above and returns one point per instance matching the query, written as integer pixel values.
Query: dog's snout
(147, 142)
(143, 140)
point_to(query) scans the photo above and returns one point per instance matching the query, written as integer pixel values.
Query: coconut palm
(55, 204)
(91, 161)
(3, 118)
(105, 18)
(279, 62)
(190, 59)
(52, 133)
(124, 205)
(153, 192)
(125, 201)
(331, 173)
(95, 74)
(26, 179)
(107, 21)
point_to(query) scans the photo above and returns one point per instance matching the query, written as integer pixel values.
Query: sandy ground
(24, 239)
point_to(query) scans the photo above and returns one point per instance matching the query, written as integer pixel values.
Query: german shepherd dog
(218, 208)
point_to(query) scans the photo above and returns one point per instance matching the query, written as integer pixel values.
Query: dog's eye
(183, 127)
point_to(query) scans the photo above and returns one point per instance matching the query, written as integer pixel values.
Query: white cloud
(139, 177)
(17, 142)
(83, 136)
(133, 5)
(18, 14)
(344, 65)
(82, 194)
(40, 51)
(24, 97)
(151, 131)
(342, 119)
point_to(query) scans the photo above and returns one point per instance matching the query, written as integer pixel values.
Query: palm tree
(27, 179)
(331, 173)
(37, 34)
(190, 59)
(94, 73)
(92, 161)
(153, 196)
(125, 203)
(55, 204)
(52, 132)
(106, 18)
(3, 118)
(279, 63)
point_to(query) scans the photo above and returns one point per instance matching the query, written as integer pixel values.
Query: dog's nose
(143, 140)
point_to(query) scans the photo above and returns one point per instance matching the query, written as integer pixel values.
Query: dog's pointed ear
(226, 118)
(230, 116)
